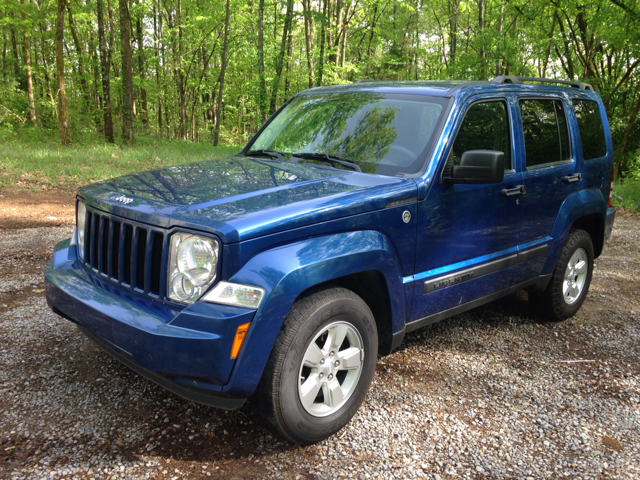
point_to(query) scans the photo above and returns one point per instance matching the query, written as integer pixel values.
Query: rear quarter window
(591, 129)
(544, 127)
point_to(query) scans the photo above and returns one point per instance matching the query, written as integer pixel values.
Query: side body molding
(579, 204)
(287, 271)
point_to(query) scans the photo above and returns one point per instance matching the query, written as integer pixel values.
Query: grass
(626, 194)
(34, 160)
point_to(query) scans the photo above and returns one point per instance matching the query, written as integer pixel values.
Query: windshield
(388, 134)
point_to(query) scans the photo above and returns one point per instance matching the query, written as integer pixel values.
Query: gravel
(493, 393)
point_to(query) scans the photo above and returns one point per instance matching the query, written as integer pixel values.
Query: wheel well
(372, 288)
(594, 225)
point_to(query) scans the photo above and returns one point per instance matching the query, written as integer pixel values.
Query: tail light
(610, 187)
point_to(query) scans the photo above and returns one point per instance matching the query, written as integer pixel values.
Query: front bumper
(185, 350)
(611, 216)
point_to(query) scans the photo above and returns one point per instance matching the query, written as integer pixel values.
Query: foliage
(178, 59)
(29, 158)
(626, 194)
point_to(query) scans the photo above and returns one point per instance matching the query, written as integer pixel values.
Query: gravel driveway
(493, 393)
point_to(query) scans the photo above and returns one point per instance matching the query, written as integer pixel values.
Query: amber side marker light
(238, 340)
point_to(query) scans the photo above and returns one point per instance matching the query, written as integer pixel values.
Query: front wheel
(320, 368)
(569, 284)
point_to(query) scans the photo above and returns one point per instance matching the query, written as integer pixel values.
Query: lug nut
(321, 361)
(330, 377)
(321, 376)
(337, 364)
(331, 354)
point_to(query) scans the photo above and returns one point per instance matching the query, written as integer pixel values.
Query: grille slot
(115, 250)
(95, 241)
(126, 258)
(156, 262)
(140, 253)
(125, 252)
(103, 245)
(87, 237)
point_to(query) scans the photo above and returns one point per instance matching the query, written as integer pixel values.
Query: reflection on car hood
(239, 198)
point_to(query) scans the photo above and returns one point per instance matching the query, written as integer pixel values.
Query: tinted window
(485, 127)
(544, 126)
(591, 129)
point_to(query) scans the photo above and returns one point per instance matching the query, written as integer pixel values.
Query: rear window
(591, 129)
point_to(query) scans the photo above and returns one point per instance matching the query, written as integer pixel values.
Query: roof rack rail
(513, 79)
(366, 80)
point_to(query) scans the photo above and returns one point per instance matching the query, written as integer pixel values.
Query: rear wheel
(320, 368)
(569, 284)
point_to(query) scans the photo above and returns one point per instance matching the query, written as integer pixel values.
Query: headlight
(235, 294)
(81, 217)
(192, 266)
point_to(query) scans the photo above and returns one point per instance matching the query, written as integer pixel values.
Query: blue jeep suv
(356, 214)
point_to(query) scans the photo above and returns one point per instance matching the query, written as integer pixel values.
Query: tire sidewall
(308, 428)
(582, 241)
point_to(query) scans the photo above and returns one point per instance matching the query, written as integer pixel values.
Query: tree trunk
(105, 69)
(127, 73)
(181, 79)
(621, 163)
(262, 89)
(223, 66)
(287, 77)
(567, 50)
(548, 52)
(345, 31)
(322, 42)
(280, 60)
(46, 67)
(500, 27)
(483, 53)
(79, 50)
(63, 115)
(454, 8)
(308, 33)
(27, 64)
(141, 69)
(157, 29)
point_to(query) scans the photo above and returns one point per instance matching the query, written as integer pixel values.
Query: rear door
(468, 234)
(550, 175)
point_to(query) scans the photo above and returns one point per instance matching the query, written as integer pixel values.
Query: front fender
(287, 271)
(579, 204)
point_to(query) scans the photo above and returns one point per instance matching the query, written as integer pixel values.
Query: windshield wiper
(268, 153)
(332, 159)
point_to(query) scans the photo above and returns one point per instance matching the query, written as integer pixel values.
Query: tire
(570, 281)
(304, 396)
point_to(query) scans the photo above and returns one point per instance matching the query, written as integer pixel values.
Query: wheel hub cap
(330, 370)
(575, 276)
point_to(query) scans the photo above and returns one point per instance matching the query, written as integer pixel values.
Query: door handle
(576, 177)
(519, 190)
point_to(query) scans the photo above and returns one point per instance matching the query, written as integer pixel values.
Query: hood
(238, 198)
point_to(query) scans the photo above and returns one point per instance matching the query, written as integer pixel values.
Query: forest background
(94, 88)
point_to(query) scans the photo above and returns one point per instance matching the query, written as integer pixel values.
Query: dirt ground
(491, 393)
(23, 209)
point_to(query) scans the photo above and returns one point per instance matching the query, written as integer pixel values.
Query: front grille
(125, 252)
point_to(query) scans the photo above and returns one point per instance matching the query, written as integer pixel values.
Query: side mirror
(478, 166)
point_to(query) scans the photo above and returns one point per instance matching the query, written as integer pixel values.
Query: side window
(544, 125)
(591, 129)
(485, 127)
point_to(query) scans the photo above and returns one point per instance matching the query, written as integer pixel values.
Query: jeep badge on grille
(121, 198)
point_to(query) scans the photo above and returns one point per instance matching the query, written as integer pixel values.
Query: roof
(446, 88)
